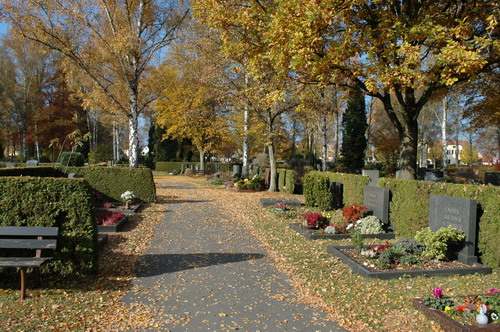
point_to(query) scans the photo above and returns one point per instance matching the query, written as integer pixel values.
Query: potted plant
(314, 220)
(280, 206)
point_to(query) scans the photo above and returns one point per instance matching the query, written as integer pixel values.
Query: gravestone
(492, 178)
(337, 191)
(245, 172)
(434, 176)
(398, 174)
(71, 175)
(373, 175)
(10, 165)
(460, 213)
(110, 163)
(236, 169)
(32, 163)
(267, 202)
(376, 199)
(267, 177)
(421, 172)
(465, 174)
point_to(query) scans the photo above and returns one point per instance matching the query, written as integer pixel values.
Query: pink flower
(492, 291)
(437, 292)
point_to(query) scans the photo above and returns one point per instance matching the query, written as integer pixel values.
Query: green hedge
(113, 181)
(65, 203)
(170, 166)
(281, 179)
(316, 188)
(409, 210)
(290, 179)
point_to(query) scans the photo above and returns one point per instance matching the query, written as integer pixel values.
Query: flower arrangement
(314, 219)
(109, 218)
(280, 206)
(354, 212)
(128, 196)
(467, 309)
(108, 205)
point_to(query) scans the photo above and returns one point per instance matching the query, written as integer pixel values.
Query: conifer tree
(353, 133)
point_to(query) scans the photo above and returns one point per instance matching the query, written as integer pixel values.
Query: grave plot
(447, 247)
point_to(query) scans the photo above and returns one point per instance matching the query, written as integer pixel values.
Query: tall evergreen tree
(354, 127)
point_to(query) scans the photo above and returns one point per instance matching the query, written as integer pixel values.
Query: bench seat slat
(28, 244)
(28, 231)
(23, 261)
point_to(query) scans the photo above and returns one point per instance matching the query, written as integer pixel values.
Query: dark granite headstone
(337, 191)
(236, 169)
(267, 202)
(32, 163)
(373, 175)
(465, 174)
(376, 199)
(460, 213)
(421, 172)
(245, 172)
(492, 178)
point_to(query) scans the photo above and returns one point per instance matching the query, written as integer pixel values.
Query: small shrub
(440, 244)
(357, 239)
(370, 225)
(100, 154)
(314, 219)
(72, 159)
(409, 245)
(257, 184)
(409, 260)
(339, 221)
(355, 212)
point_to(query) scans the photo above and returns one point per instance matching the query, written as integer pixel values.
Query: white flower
(349, 226)
(359, 221)
(128, 196)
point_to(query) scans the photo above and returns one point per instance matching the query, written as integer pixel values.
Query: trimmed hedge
(170, 166)
(65, 203)
(72, 159)
(316, 188)
(409, 210)
(290, 179)
(280, 172)
(109, 181)
(113, 181)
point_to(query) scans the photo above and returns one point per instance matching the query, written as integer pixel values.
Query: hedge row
(286, 180)
(111, 182)
(409, 210)
(317, 193)
(170, 166)
(65, 203)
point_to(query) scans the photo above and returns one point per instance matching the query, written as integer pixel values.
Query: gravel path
(204, 272)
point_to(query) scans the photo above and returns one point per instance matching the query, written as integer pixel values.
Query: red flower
(312, 218)
(461, 308)
(354, 212)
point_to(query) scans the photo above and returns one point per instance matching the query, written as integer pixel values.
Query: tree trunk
(443, 134)
(272, 162)
(457, 143)
(325, 142)
(25, 145)
(202, 159)
(245, 136)
(133, 141)
(337, 128)
(37, 145)
(409, 146)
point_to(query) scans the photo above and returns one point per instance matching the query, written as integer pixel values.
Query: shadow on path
(167, 263)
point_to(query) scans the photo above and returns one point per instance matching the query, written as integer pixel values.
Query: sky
(3, 28)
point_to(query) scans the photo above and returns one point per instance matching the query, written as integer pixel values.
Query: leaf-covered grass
(356, 302)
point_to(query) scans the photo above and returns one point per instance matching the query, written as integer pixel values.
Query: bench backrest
(28, 237)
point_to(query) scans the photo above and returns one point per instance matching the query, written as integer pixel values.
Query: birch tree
(112, 42)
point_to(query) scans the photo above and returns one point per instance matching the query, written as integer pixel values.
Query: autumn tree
(112, 43)
(400, 52)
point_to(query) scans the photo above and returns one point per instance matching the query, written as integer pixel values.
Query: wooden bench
(27, 238)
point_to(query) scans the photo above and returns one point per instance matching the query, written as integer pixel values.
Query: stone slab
(376, 199)
(434, 176)
(32, 163)
(269, 202)
(386, 275)
(337, 191)
(373, 175)
(312, 235)
(112, 228)
(460, 213)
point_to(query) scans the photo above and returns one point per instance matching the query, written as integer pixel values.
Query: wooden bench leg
(22, 271)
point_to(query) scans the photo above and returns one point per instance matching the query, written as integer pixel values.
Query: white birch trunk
(202, 159)
(245, 135)
(325, 142)
(337, 128)
(37, 145)
(272, 162)
(443, 133)
(133, 141)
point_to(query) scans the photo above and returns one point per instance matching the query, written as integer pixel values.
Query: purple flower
(492, 291)
(437, 292)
